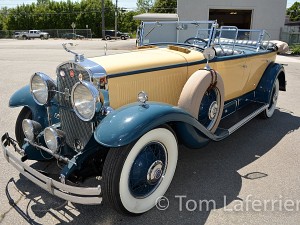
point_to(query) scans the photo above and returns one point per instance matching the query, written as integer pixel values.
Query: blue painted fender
(23, 97)
(130, 122)
(265, 85)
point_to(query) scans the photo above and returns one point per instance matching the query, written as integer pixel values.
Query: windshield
(177, 32)
(202, 34)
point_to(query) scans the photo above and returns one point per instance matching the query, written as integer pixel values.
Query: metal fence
(290, 34)
(54, 33)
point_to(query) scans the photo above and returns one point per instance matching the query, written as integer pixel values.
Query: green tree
(3, 17)
(165, 6)
(144, 6)
(59, 15)
(294, 12)
(126, 22)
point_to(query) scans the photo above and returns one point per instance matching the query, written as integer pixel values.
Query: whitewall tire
(268, 113)
(136, 175)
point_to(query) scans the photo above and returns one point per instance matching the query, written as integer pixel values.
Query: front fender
(130, 122)
(23, 97)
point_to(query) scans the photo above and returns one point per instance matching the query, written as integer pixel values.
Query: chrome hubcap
(213, 110)
(155, 172)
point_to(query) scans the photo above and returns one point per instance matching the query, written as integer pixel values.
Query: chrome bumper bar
(81, 195)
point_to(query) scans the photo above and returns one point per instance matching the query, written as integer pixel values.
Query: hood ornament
(78, 57)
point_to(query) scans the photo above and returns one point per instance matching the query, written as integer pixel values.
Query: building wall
(267, 14)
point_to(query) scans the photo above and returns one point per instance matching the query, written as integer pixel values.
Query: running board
(247, 119)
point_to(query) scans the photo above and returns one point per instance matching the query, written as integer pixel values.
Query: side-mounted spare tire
(203, 97)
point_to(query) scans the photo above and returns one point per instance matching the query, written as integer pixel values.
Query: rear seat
(239, 42)
(227, 51)
(245, 42)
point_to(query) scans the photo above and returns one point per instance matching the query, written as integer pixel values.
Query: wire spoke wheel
(210, 108)
(136, 175)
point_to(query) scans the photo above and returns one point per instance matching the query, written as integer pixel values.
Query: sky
(130, 4)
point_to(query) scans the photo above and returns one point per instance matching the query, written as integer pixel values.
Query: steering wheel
(192, 41)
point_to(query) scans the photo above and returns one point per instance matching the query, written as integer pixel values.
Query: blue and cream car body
(122, 116)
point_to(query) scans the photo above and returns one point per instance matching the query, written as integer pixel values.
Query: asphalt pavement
(252, 177)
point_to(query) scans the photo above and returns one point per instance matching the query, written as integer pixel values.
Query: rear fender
(264, 88)
(130, 122)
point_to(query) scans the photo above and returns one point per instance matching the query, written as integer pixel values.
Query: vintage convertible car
(202, 82)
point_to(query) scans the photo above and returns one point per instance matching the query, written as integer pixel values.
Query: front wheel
(25, 113)
(136, 175)
(268, 113)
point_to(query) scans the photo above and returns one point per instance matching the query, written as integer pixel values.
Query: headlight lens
(54, 138)
(84, 98)
(41, 87)
(31, 129)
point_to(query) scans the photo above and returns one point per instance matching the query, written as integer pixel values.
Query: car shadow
(209, 173)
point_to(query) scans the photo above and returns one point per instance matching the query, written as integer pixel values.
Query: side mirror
(209, 53)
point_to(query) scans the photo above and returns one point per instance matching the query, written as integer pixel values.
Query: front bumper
(81, 195)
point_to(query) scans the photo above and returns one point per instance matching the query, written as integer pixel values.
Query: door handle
(245, 66)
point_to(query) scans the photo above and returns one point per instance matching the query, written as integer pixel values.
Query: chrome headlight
(42, 88)
(85, 97)
(31, 129)
(54, 138)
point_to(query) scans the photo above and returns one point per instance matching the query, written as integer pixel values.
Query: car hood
(143, 59)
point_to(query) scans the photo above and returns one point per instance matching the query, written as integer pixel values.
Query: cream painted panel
(258, 65)
(234, 77)
(161, 86)
(145, 59)
(194, 68)
(138, 60)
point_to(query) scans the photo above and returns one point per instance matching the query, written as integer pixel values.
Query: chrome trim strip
(80, 195)
(247, 119)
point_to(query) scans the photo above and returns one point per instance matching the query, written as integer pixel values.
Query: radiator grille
(77, 131)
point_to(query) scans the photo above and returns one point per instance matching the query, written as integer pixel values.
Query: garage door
(232, 17)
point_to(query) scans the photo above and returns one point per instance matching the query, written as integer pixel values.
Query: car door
(235, 72)
(257, 65)
(36, 34)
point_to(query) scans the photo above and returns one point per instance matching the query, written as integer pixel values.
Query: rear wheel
(268, 113)
(136, 175)
(108, 38)
(25, 113)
